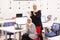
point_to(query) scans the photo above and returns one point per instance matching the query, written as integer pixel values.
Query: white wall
(47, 6)
(51, 7)
(8, 13)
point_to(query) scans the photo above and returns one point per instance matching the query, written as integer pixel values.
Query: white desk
(3, 21)
(7, 21)
(49, 24)
(54, 38)
(13, 30)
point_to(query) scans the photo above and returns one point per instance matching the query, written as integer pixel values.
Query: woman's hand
(34, 13)
(27, 25)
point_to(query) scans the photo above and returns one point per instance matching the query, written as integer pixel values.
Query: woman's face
(28, 21)
(34, 7)
(49, 17)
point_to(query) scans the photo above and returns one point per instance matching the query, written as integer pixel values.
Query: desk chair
(0, 30)
(0, 26)
(55, 27)
(49, 33)
(8, 24)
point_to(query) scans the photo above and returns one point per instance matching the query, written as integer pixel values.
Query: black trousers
(40, 36)
(26, 37)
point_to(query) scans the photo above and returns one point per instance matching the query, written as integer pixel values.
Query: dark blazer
(36, 19)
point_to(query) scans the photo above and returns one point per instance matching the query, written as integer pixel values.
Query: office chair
(8, 24)
(0, 30)
(55, 27)
(49, 33)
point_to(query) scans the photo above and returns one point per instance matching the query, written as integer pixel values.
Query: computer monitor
(18, 15)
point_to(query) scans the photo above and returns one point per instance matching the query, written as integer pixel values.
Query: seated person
(31, 31)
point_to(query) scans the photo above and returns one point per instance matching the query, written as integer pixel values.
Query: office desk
(54, 38)
(3, 21)
(13, 30)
